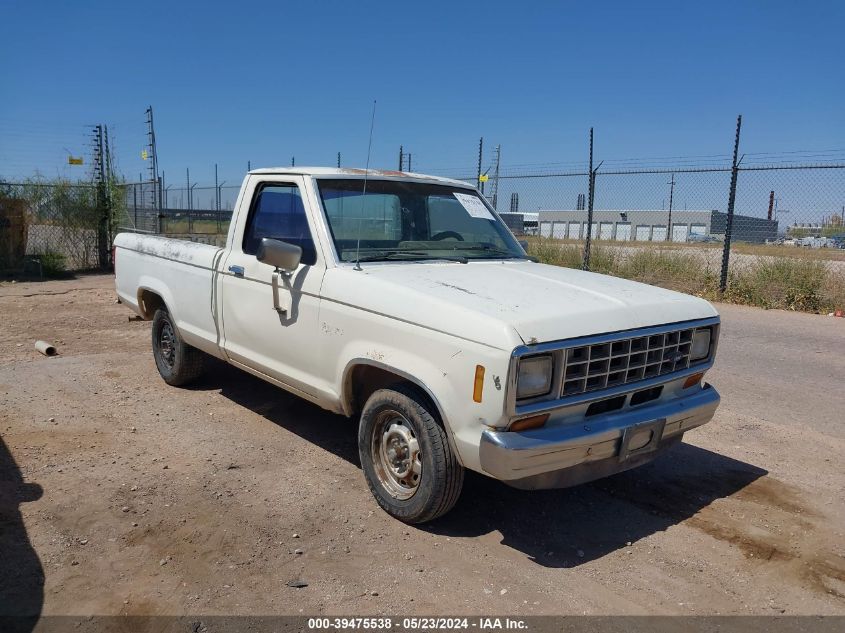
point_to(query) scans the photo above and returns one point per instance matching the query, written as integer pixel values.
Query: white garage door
(623, 231)
(594, 229)
(658, 233)
(680, 232)
(643, 232)
(546, 229)
(559, 230)
(606, 231)
(698, 229)
(574, 230)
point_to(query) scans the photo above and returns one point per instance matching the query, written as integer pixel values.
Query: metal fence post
(592, 182)
(729, 220)
(478, 182)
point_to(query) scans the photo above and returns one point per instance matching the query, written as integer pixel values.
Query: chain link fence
(664, 226)
(196, 213)
(668, 227)
(46, 229)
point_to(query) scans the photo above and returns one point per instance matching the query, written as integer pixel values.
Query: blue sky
(232, 82)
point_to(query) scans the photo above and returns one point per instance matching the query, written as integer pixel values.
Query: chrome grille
(608, 364)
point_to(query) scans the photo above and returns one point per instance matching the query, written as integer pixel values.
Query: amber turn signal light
(534, 422)
(693, 380)
(478, 386)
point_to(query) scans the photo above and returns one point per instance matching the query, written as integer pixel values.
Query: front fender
(444, 370)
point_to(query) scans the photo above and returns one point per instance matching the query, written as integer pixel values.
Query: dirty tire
(441, 477)
(177, 362)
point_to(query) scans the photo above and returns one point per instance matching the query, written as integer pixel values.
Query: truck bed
(142, 261)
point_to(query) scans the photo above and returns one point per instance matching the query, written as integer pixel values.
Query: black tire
(395, 418)
(177, 362)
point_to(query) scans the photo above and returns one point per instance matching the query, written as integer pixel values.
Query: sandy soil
(121, 495)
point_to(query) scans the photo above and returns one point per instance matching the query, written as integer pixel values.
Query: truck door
(255, 334)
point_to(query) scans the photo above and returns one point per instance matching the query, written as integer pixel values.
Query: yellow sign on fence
(74, 161)
(483, 178)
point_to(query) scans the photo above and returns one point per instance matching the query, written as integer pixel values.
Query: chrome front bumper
(597, 447)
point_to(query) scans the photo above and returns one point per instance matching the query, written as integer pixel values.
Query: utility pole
(293, 161)
(188, 185)
(103, 207)
(338, 160)
(771, 205)
(409, 161)
(671, 197)
(401, 158)
(153, 157)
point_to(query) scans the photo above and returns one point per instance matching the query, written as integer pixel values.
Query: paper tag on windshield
(474, 206)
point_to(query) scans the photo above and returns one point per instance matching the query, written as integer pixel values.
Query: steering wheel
(446, 234)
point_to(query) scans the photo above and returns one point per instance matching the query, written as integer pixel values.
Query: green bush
(790, 284)
(52, 263)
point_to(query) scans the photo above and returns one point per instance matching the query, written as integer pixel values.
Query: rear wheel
(177, 362)
(406, 458)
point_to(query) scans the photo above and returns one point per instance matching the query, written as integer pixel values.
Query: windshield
(399, 220)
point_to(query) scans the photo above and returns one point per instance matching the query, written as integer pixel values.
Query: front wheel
(409, 466)
(177, 362)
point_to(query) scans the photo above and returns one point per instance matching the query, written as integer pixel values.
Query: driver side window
(278, 212)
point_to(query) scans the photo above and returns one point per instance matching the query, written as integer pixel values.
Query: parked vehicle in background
(404, 302)
(837, 241)
(702, 239)
(816, 241)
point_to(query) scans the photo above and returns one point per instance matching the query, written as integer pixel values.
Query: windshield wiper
(413, 255)
(493, 251)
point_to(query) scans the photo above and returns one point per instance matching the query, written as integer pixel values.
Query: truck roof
(350, 172)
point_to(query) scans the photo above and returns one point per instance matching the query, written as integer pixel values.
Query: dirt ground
(121, 495)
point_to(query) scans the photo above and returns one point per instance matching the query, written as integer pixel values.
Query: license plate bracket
(633, 437)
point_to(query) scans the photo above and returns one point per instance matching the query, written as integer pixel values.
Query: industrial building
(645, 225)
(521, 223)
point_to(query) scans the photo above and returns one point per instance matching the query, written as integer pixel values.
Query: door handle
(237, 270)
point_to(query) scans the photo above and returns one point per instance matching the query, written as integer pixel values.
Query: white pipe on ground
(45, 348)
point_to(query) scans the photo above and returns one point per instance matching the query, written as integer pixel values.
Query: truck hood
(507, 303)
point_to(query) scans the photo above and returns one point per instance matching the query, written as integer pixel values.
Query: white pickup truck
(403, 301)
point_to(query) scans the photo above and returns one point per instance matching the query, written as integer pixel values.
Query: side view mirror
(279, 254)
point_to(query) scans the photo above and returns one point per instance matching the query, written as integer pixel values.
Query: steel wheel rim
(396, 455)
(166, 344)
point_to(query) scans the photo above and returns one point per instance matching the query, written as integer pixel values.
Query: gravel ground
(121, 495)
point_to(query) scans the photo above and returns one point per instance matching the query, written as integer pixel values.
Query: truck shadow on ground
(553, 528)
(572, 526)
(21, 573)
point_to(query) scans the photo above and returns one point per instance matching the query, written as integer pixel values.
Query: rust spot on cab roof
(374, 172)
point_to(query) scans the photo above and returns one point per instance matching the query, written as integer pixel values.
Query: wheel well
(149, 302)
(363, 380)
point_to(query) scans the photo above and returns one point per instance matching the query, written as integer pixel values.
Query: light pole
(191, 208)
(671, 196)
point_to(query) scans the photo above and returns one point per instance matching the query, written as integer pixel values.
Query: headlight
(534, 377)
(700, 344)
